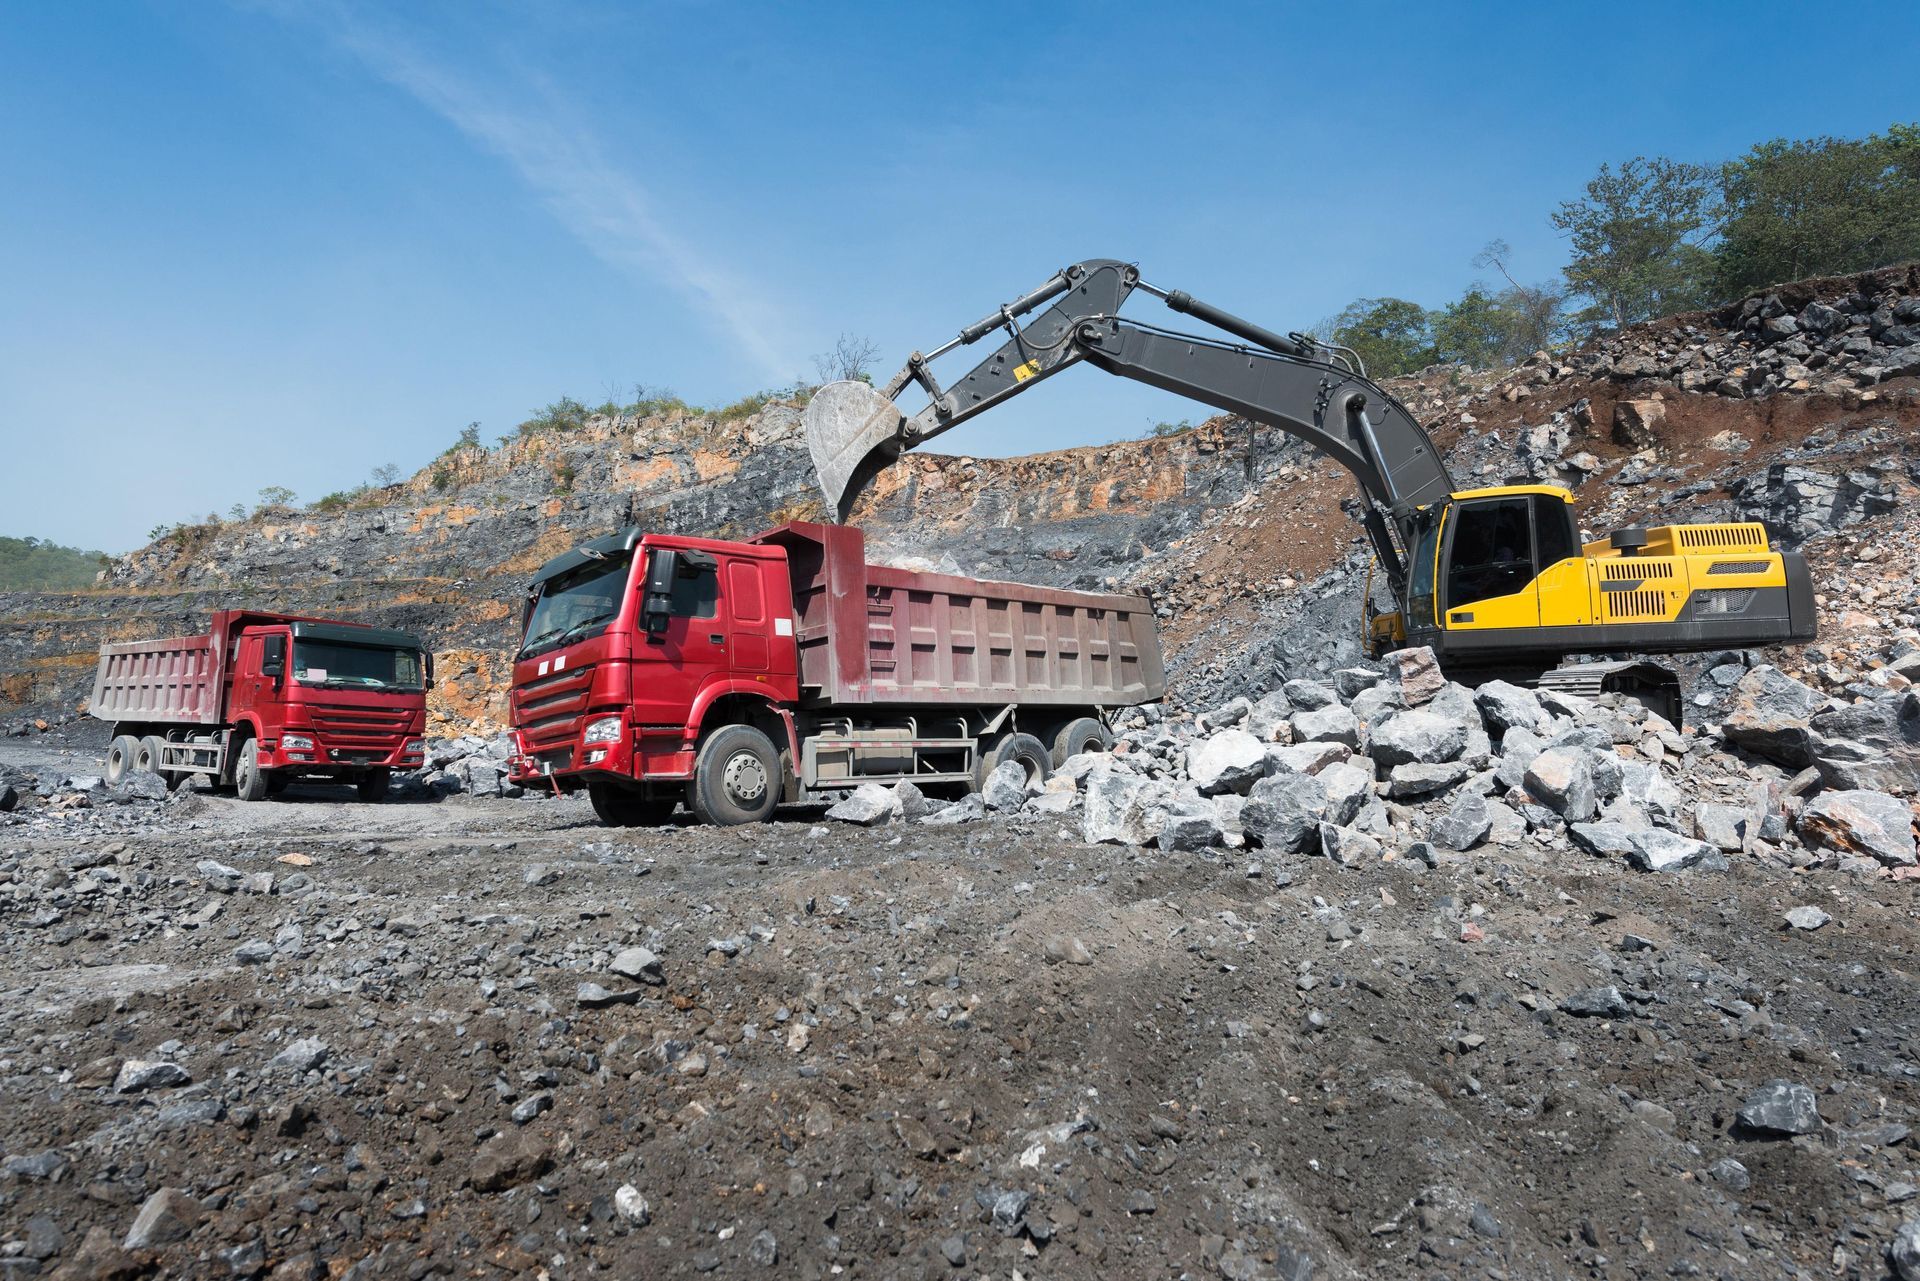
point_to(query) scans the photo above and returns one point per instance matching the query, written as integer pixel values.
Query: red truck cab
(262, 700)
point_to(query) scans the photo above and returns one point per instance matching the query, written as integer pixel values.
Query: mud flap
(853, 432)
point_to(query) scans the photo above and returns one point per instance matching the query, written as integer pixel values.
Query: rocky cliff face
(1799, 407)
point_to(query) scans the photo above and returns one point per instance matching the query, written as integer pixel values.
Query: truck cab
(330, 702)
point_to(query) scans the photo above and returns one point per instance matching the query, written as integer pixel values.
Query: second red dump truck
(734, 675)
(261, 700)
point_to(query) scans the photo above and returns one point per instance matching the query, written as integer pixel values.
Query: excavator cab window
(1490, 552)
(1554, 539)
(1426, 546)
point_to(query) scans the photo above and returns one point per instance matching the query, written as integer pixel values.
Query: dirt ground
(980, 1051)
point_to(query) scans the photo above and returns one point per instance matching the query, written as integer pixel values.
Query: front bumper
(659, 756)
(324, 758)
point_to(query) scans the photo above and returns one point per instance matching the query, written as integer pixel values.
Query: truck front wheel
(624, 807)
(736, 778)
(249, 780)
(372, 786)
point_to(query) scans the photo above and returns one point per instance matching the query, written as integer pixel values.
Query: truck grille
(547, 712)
(372, 729)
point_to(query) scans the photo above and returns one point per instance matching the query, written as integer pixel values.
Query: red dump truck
(262, 700)
(734, 675)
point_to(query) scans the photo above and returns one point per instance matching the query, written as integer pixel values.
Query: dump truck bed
(177, 680)
(872, 634)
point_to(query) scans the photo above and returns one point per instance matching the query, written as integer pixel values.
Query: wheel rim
(745, 778)
(243, 771)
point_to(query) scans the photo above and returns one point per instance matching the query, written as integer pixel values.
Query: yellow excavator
(1495, 580)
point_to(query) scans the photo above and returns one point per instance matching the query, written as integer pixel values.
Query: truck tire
(372, 786)
(736, 778)
(1083, 734)
(121, 753)
(249, 780)
(624, 807)
(1024, 748)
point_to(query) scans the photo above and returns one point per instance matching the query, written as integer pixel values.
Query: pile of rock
(1839, 340)
(1396, 762)
(468, 765)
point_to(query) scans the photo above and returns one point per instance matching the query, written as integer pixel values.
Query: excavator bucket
(852, 432)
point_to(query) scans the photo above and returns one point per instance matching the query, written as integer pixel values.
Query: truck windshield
(343, 666)
(573, 604)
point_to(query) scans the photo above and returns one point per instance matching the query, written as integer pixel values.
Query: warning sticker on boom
(1023, 372)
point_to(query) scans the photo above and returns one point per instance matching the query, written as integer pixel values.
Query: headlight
(604, 730)
(414, 747)
(296, 743)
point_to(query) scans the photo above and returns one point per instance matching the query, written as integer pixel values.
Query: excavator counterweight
(1495, 580)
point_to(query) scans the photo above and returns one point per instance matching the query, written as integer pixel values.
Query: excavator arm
(1291, 383)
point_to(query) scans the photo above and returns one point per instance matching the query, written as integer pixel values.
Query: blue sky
(284, 243)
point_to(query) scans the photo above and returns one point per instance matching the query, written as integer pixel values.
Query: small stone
(1006, 786)
(253, 952)
(638, 963)
(954, 1249)
(1807, 918)
(538, 874)
(1903, 1252)
(1779, 1109)
(592, 995)
(1597, 1003)
(632, 1206)
(763, 1250)
(867, 805)
(1729, 1173)
(303, 1055)
(1066, 948)
(137, 1075)
(510, 1159)
(1140, 1201)
(167, 1216)
(532, 1106)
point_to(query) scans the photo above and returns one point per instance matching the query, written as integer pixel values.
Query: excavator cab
(1480, 559)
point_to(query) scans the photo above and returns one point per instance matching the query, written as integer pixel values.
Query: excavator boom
(1292, 383)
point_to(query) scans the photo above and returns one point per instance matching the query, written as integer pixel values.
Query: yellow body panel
(1521, 609)
(1566, 593)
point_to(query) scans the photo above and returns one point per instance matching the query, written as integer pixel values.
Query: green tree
(1390, 335)
(274, 496)
(1819, 207)
(30, 564)
(1473, 330)
(1638, 238)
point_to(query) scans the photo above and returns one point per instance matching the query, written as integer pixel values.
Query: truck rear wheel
(372, 786)
(623, 807)
(249, 780)
(1029, 751)
(736, 777)
(121, 753)
(1083, 734)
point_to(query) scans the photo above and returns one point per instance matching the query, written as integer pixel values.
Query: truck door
(673, 662)
(246, 676)
(748, 625)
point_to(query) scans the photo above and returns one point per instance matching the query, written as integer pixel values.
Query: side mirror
(273, 657)
(656, 606)
(427, 657)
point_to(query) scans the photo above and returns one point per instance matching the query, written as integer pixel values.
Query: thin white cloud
(604, 208)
